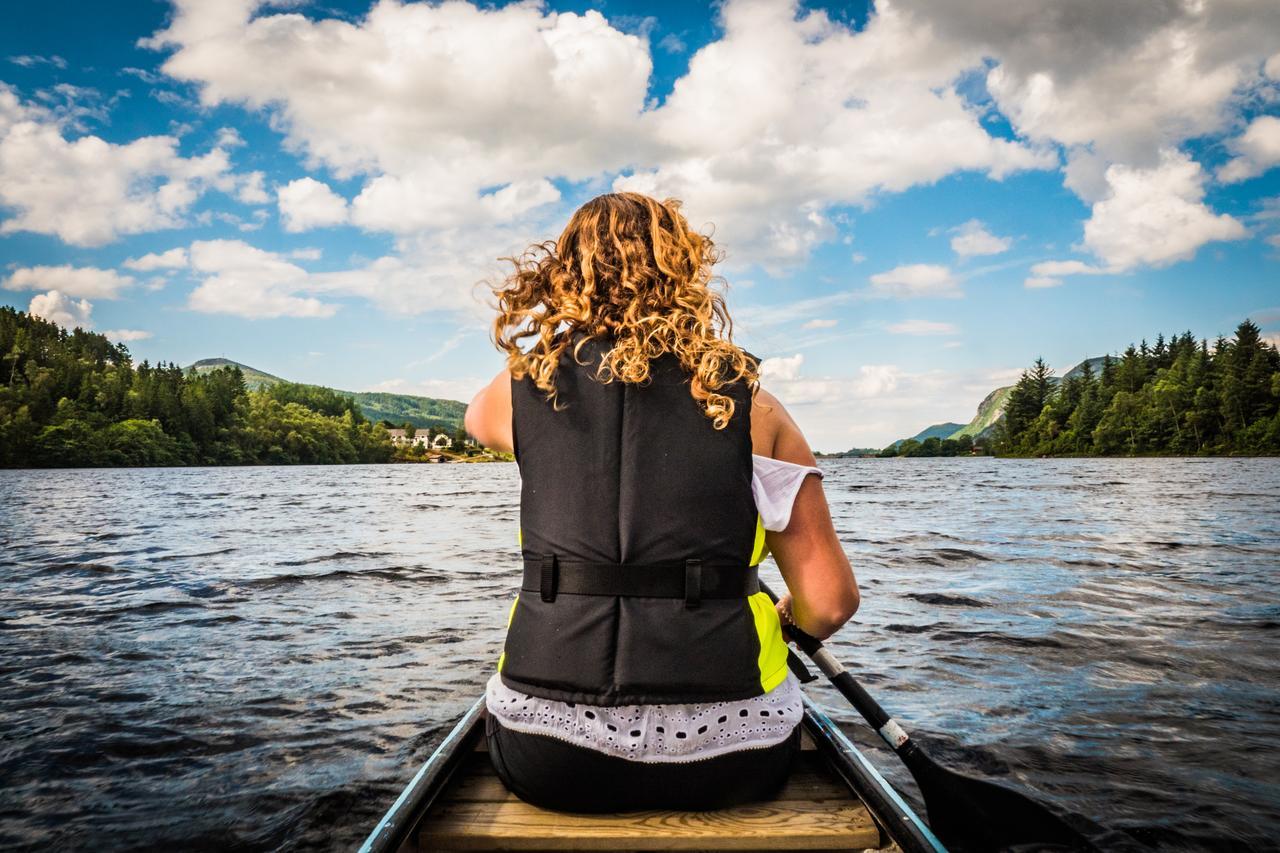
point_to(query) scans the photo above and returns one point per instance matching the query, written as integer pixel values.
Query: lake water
(259, 658)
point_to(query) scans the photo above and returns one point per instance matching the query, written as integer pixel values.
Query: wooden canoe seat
(813, 811)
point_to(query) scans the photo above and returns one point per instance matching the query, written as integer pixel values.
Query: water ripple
(259, 658)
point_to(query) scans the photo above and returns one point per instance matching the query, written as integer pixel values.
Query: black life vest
(640, 539)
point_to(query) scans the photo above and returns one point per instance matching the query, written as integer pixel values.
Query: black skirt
(554, 774)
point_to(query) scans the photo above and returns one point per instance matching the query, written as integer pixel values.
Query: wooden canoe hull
(833, 800)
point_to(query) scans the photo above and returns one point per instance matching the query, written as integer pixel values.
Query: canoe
(835, 799)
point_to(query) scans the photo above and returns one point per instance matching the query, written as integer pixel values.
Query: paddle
(964, 812)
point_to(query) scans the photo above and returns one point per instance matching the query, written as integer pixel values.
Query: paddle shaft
(869, 708)
(978, 814)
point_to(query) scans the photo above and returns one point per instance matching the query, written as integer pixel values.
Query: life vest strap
(692, 579)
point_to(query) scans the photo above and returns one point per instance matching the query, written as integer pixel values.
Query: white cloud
(876, 380)
(422, 100)
(307, 203)
(175, 258)
(672, 43)
(784, 117)
(781, 375)
(88, 191)
(28, 61)
(250, 282)
(229, 137)
(61, 309)
(1257, 150)
(1040, 282)
(753, 318)
(1155, 216)
(781, 368)
(1123, 79)
(820, 324)
(1118, 82)
(424, 201)
(923, 327)
(831, 410)
(871, 382)
(1148, 217)
(878, 404)
(310, 253)
(250, 190)
(126, 335)
(776, 122)
(1048, 273)
(246, 281)
(973, 238)
(69, 281)
(436, 103)
(403, 287)
(916, 280)
(1066, 268)
(441, 272)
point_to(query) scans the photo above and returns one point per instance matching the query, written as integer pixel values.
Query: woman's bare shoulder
(774, 432)
(488, 418)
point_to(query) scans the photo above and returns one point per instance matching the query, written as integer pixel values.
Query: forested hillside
(398, 409)
(72, 399)
(1175, 397)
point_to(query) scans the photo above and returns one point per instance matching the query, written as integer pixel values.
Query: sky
(914, 199)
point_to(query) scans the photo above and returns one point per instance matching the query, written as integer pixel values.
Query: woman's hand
(784, 609)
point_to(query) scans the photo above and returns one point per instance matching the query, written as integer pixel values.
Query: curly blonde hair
(630, 268)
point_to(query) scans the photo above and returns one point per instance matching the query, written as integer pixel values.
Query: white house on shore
(420, 439)
(399, 439)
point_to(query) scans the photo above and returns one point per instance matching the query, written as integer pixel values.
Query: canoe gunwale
(896, 819)
(415, 800)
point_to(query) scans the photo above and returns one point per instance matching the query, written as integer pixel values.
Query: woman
(643, 667)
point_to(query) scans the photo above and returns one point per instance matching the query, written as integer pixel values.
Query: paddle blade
(976, 815)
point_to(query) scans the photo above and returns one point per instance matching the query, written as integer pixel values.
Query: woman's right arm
(824, 592)
(488, 418)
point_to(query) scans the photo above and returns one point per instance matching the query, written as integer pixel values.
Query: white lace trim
(654, 733)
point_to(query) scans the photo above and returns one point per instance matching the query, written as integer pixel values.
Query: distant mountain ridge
(397, 409)
(991, 409)
(943, 430)
(253, 377)
(989, 412)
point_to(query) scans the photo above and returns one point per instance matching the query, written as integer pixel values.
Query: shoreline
(487, 459)
(1068, 456)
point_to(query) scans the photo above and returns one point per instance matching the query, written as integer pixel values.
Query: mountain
(398, 409)
(1095, 364)
(254, 379)
(943, 430)
(991, 409)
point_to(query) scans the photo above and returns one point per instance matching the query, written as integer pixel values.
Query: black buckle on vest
(692, 583)
(549, 577)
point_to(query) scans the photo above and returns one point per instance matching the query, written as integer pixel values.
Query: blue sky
(915, 201)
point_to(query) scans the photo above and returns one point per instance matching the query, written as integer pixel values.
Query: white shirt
(649, 732)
